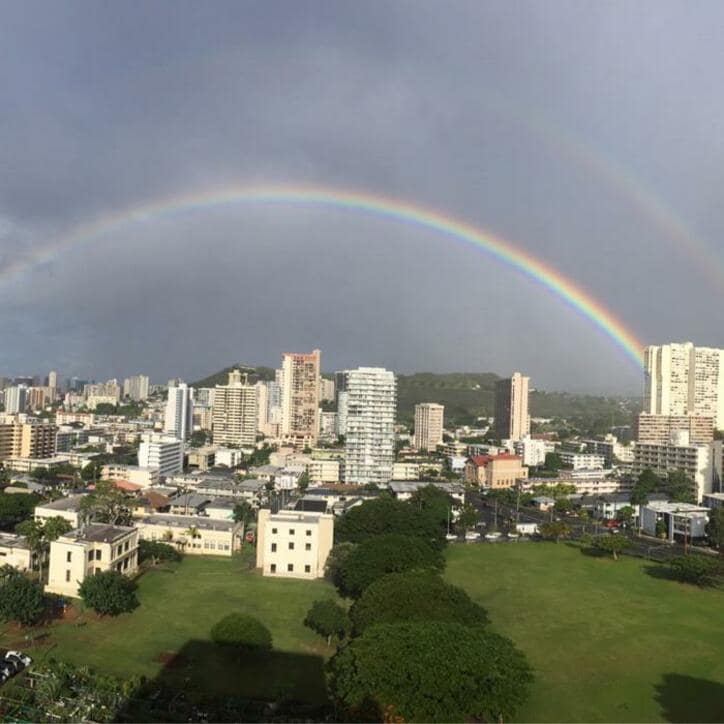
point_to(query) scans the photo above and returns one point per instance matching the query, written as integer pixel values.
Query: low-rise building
(15, 552)
(228, 457)
(201, 458)
(405, 471)
(405, 489)
(495, 471)
(85, 551)
(581, 460)
(192, 534)
(293, 544)
(607, 507)
(189, 504)
(145, 477)
(679, 519)
(714, 500)
(324, 471)
(68, 508)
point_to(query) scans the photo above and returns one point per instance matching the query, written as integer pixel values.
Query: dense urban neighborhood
(282, 545)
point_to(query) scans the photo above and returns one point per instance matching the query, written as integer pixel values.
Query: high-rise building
(178, 420)
(300, 398)
(235, 412)
(27, 439)
(165, 453)
(108, 393)
(662, 428)
(53, 384)
(136, 388)
(262, 405)
(326, 390)
(370, 428)
(681, 379)
(16, 399)
(428, 425)
(512, 421)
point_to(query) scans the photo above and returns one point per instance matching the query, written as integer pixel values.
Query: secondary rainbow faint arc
(380, 206)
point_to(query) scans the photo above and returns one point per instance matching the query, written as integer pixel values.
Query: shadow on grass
(687, 699)
(662, 572)
(203, 682)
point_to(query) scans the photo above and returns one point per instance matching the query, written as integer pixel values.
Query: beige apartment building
(663, 428)
(27, 439)
(495, 471)
(86, 551)
(293, 544)
(192, 534)
(235, 412)
(428, 425)
(512, 421)
(300, 398)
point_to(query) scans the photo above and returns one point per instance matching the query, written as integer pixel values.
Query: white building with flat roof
(163, 452)
(679, 519)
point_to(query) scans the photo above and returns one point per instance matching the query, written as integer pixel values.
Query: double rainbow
(395, 210)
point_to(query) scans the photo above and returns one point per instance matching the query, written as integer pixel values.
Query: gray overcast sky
(578, 131)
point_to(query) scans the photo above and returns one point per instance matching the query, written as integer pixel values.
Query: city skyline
(569, 164)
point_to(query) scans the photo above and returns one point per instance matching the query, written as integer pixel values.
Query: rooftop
(411, 486)
(188, 521)
(72, 502)
(99, 533)
(11, 540)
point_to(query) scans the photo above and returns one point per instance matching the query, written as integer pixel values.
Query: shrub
(243, 633)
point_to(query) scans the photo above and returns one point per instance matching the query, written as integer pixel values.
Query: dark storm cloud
(107, 106)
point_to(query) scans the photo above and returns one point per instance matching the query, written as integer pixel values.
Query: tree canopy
(15, 508)
(106, 504)
(414, 596)
(242, 633)
(554, 530)
(21, 599)
(109, 593)
(611, 543)
(156, 551)
(386, 515)
(328, 619)
(696, 569)
(429, 671)
(383, 554)
(715, 528)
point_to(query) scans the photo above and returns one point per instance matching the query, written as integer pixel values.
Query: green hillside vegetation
(222, 376)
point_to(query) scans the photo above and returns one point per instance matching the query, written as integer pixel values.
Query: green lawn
(608, 641)
(178, 607)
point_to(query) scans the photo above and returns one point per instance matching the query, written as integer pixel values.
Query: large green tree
(242, 633)
(328, 619)
(156, 551)
(554, 530)
(106, 504)
(15, 508)
(383, 554)
(429, 671)
(109, 593)
(21, 600)
(387, 515)
(715, 529)
(414, 596)
(243, 513)
(611, 543)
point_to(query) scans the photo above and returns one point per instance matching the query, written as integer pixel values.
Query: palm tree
(33, 532)
(192, 532)
(244, 514)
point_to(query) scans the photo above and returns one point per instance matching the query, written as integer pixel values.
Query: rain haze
(590, 136)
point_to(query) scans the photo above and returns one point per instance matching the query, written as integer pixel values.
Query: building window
(125, 547)
(90, 555)
(98, 555)
(290, 567)
(307, 569)
(273, 568)
(67, 576)
(68, 556)
(274, 547)
(308, 547)
(291, 531)
(274, 531)
(291, 546)
(309, 532)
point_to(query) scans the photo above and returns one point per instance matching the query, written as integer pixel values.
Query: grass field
(608, 641)
(178, 607)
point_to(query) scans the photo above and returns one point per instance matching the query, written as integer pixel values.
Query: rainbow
(392, 209)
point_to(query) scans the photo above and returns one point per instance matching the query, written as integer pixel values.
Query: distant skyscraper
(179, 411)
(681, 379)
(262, 405)
(16, 399)
(428, 425)
(53, 383)
(235, 412)
(512, 421)
(370, 429)
(300, 397)
(136, 388)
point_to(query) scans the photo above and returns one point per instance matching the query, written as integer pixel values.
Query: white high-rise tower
(179, 411)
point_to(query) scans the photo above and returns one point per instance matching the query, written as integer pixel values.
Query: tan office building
(428, 425)
(512, 421)
(192, 534)
(86, 551)
(495, 471)
(293, 544)
(300, 398)
(27, 440)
